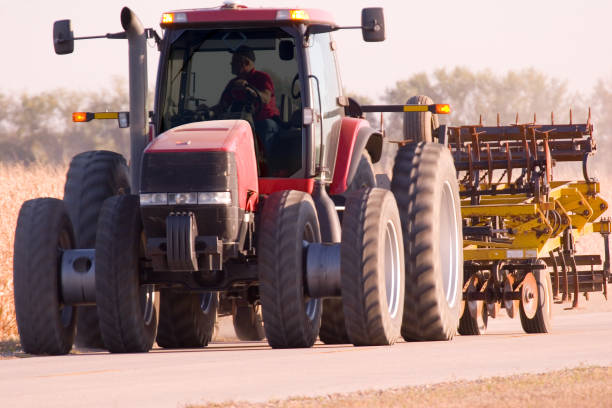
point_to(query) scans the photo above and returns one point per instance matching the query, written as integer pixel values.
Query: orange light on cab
(298, 15)
(79, 116)
(167, 18)
(443, 108)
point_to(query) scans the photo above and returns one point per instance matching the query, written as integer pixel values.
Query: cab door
(326, 91)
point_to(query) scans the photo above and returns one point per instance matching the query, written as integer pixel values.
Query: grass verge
(579, 387)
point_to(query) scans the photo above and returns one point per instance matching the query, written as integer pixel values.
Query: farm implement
(519, 223)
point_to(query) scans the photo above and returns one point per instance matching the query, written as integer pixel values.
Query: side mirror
(286, 50)
(63, 37)
(373, 24)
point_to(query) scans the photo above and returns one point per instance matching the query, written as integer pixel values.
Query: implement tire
(45, 324)
(248, 323)
(128, 311)
(92, 178)
(542, 321)
(186, 320)
(372, 265)
(291, 319)
(420, 126)
(427, 193)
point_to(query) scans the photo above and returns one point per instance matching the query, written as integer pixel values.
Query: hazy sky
(567, 39)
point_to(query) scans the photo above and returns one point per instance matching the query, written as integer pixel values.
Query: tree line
(39, 128)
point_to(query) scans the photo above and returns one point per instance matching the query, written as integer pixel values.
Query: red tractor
(251, 191)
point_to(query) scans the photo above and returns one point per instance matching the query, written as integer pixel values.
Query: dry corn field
(19, 183)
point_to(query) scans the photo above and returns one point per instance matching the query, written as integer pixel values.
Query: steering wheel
(295, 93)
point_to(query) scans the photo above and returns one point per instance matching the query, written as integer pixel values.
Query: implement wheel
(288, 222)
(45, 324)
(186, 320)
(420, 126)
(248, 323)
(372, 266)
(475, 317)
(542, 319)
(128, 311)
(427, 194)
(92, 178)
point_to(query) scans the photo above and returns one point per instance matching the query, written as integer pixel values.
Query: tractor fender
(356, 136)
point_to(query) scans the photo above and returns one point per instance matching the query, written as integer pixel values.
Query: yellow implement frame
(535, 226)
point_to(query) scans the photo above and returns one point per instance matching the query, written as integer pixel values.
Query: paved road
(252, 371)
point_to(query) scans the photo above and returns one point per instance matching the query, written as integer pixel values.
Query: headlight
(218, 198)
(222, 197)
(182, 198)
(154, 199)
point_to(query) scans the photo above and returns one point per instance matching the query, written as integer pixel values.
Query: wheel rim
(147, 293)
(392, 269)
(449, 248)
(310, 305)
(206, 301)
(66, 312)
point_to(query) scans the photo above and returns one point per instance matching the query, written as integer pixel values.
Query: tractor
(255, 197)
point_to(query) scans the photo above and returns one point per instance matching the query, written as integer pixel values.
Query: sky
(565, 39)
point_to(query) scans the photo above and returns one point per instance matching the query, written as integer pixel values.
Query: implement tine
(498, 117)
(517, 119)
(571, 117)
(552, 118)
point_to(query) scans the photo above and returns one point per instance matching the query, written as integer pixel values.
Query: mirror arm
(151, 33)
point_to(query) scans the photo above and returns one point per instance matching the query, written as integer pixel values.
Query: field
(20, 183)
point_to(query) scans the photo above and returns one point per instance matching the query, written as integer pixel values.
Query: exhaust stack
(137, 43)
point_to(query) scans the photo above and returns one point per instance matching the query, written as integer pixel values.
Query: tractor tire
(92, 178)
(420, 126)
(427, 193)
(186, 320)
(542, 321)
(128, 311)
(372, 264)
(45, 325)
(332, 320)
(291, 319)
(248, 323)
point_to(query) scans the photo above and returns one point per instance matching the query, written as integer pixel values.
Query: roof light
(292, 15)
(170, 18)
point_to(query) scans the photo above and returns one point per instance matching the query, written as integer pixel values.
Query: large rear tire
(420, 126)
(45, 324)
(186, 320)
(92, 178)
(128, 311)
(333, 330)
(372, 264)
(542, 321)
(288, 222)
(427, 194)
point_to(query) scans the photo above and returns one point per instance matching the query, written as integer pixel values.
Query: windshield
(247, 74)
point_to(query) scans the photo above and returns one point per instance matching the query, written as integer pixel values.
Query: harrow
(520, 225)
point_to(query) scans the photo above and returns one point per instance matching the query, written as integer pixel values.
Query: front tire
(45, 324)
(186, 320)
(427, 193)
(288, 222)
(420, 126)
(128, 311)
(248, 323)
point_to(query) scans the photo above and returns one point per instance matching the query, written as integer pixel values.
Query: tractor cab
(290, 94)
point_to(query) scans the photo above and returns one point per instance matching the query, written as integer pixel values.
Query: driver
(256, 85)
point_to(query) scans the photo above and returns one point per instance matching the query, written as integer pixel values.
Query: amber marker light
(443, 108)
(298, 15)
(79, 116)
(167, 18)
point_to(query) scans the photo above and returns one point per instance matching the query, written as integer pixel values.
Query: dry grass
(581, 387)
(17, 184)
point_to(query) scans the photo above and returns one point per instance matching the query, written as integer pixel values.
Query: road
(252, 371)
